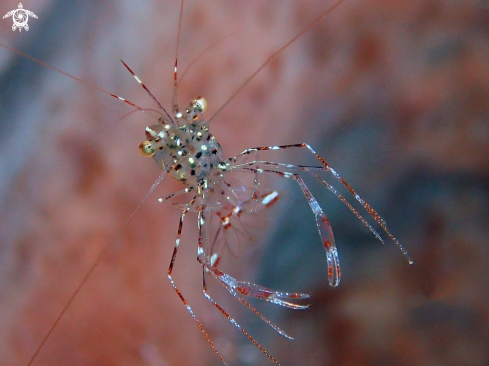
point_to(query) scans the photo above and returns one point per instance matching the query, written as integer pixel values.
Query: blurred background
(394, 95)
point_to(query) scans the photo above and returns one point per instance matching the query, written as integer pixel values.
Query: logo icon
(20, 17)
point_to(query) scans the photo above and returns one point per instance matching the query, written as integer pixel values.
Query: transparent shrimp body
(182, 146)
(186, 147)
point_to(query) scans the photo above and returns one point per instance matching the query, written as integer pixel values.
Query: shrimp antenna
(292, 40)
(74, 77)
(147, 90)
(93, 266)
(175, 76)
(215, 44)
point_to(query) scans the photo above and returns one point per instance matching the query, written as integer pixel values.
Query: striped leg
(284, 168)
(183, 206)
(259, 165)
(322, 223)
(224, 279)
(170, 270)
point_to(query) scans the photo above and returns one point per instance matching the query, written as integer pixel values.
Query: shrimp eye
(199, 104)
(146, 148)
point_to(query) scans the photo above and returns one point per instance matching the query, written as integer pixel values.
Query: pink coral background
(394, 95)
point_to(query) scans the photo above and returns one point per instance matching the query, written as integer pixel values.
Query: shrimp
(184, 148)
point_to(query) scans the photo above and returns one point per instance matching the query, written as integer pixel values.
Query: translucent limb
(275, 167)
(187, 306)
(324, 230)
(257, 291)
(236, 216)
(183, 206)
(280, 167)
(270, 165)
(352, 209)
(206, 266)
(232, 291)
